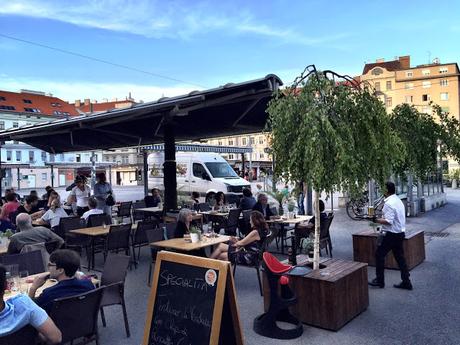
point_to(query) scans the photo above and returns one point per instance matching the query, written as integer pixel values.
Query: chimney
(87, 101)
(404, 61)
(380, 60)
(77, 103)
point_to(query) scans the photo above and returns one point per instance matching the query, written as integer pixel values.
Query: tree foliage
(332, 136)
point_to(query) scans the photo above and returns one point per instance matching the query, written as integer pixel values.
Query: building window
(56, 104)
(426, 110)
(252, 140)
(31, 156)
(244, 141)
(8, 155)
(444, 96)
(409, 86)
(409, 99)
(219, 143)
(444, 83)
(377, 71)
(409, 74)
(18, 156)
(43, 156)
(32, 110)
(426, 98)
(52, 157)
(7, 107)
(2, 125)
(2, 98)
(15, 124)
(426, 72)
(230, 156)
(78, 158)
(27, 101)
(445, 110)
(261, 155)
(443, 70)
(261, 140)
(230, 142)
(388, 102)
(389, 85)
(377, 86)
(44, 176)
(426, 84)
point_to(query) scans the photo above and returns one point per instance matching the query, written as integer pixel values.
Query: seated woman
(53, 216)
(183, 223)
(244, 251)
(220, 200)
(53, 195)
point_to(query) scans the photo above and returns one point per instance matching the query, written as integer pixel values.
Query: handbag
(110, 200)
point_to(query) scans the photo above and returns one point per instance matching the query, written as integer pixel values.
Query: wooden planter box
(365, 245)
(330, 297)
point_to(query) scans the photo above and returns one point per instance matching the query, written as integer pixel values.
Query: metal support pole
(93, 169)
(242, 163)
(309, 200)
(145, 174)
(110, 174)
(273, 174)
(1, 170)
(170, 180)
(52, 175)
(19, 180)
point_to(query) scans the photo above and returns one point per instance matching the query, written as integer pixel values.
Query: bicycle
(357, 209)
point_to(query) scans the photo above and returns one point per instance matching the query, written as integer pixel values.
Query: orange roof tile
(31, 103)
(104, 106)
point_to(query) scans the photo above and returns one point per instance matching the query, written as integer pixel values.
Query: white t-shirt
(90, 212)
(53, 217)
(394, 213)
(82, 196)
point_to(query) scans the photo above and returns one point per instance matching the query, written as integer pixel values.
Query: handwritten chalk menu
(192, 302)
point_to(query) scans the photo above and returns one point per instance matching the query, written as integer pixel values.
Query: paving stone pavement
(430, 314)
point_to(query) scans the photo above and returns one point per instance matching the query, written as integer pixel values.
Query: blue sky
(205, 44)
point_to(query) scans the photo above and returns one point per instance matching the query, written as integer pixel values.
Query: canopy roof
(200, 148)
(227, 110)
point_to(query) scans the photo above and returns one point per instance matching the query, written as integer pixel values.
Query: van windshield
(221, 169)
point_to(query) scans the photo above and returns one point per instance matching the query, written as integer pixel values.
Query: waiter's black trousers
(391, 242)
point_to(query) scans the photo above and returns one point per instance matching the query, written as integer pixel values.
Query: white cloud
(158, 19)
(70, 91)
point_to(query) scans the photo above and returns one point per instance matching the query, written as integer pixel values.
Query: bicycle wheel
(355, 209)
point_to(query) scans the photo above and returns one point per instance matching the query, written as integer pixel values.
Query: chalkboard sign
(189, 298)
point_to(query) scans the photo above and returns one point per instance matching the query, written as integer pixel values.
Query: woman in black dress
(247, 249)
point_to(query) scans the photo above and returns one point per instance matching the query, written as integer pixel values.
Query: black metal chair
(139, 237)
(170, 230)
(98, 220)
(244, 226)
(118, 239)
(76, 316)
(280, 300)
(325, 241)
(42, 204)
(231, 224)
(138, 215)
(74, 241)
(113, 278)
(26, 335)
(153, 235)
(204, 207)
(29, 261)
(124, 211)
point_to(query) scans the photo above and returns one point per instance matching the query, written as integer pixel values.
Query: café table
(185, 245)
(26, 283)
(283, 221)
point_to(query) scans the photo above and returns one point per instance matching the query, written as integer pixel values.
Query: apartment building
(396, 82)
(258, 161)
(24, 166)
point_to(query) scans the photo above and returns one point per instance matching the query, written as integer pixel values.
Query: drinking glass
(23, 285)
(205, 228)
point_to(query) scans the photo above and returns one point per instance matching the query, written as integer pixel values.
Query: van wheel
(210, 196)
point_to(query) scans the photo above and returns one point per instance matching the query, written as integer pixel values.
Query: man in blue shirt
(20, 311)
(62, 266)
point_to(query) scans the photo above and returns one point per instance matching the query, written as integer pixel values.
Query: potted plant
(291, 208)
(195, 234)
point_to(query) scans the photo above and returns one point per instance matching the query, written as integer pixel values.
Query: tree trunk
(316, 195)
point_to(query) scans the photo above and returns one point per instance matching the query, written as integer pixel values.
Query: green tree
(332, 136)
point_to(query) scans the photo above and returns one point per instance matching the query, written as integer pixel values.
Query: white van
(205, 173)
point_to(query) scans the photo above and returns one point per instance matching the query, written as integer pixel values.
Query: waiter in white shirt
(394, 227)
(80, 195)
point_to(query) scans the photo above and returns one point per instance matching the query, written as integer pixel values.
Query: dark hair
(30, 199)
(47, 188)
(92, 202)
(322, 207)
(247, 192)
(10, 197)
(101, 177)
(195, 195)
(66, 259)
(155, 189)
(258, 220)
(33, 192)
(2, 280)
(80, 178)
(391, 188)
(220, 196)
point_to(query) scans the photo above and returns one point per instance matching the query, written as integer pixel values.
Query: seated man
(63, 265)
(247, 202)
(153, 200)
(30, 235)
(305, 228)
(53, 216)
(262, 206)
(20, 311)
(92, 204)
(31, 207)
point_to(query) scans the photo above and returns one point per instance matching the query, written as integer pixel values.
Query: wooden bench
(365, 245)
(329, 297)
